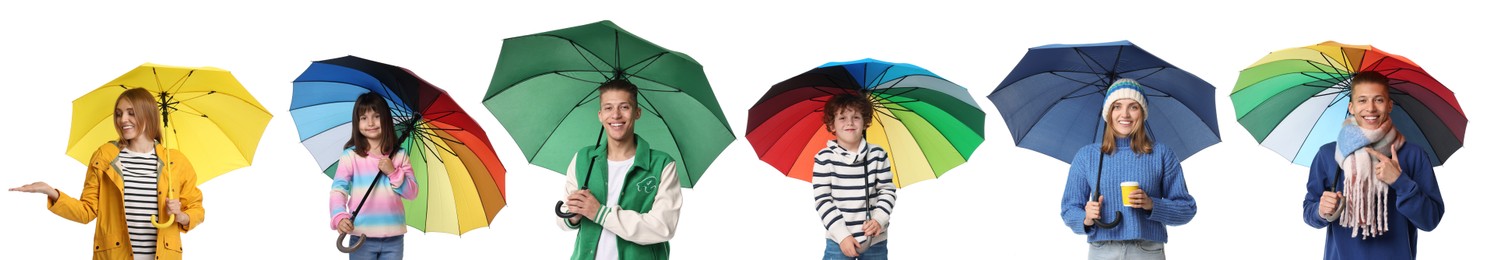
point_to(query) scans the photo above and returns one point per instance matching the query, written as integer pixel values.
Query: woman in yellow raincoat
(126, 186)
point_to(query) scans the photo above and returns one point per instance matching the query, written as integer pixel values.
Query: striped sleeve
(341, 191)
(402, 179)
(821, 179)
(883, 172)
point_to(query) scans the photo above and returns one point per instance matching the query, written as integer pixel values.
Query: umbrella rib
(439, 115)
(561, 73)
(1158, 69)
(440, 145)
(156, 73)
(1331, 66)
(195, 97)
(881, 73)
(1117, 63)
(618, 75)
(653, 109)
(558, 72)
(1086, 59)
(1084, 84)
(648, 61)
(886, 113)
(576, 106)
(674, 88)
(581, 50)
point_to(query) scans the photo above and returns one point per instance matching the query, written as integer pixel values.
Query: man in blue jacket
(1371, 189)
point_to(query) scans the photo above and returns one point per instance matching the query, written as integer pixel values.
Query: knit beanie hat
(1123, 88)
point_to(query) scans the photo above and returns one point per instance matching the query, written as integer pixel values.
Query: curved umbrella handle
(1109, 225)
(559, 209)
(354, 246)
(169, 219)
(1334, 215)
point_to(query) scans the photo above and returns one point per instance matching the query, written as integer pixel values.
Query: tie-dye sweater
(382, 215)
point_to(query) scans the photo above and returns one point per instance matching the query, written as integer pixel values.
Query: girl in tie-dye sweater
(367, 154)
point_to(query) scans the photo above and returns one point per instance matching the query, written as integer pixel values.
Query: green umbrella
(544, 93)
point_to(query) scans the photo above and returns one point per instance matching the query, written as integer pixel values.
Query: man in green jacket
(633, 198)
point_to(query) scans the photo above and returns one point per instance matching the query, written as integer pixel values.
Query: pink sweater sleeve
(402, 179)
(341, 191)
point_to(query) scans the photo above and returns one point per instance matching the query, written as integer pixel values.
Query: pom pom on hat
(1124, 89)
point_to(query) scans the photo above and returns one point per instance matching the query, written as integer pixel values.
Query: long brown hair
(372, 102)
(1140, 144)
(146, 114)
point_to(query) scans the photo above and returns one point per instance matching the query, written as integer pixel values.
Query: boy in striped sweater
(853, 185)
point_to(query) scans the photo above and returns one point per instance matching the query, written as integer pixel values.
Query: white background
(1001, 204)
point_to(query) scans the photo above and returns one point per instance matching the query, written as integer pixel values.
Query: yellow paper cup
(1126, 190)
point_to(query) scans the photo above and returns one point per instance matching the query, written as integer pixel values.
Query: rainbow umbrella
(1294, 100)
(927, 124)
(462, 181)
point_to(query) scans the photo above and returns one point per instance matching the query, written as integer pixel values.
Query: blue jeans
(380, 248)
(1127, 250)
(878, 251)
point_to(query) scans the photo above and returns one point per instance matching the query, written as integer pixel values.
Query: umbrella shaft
(367, 194)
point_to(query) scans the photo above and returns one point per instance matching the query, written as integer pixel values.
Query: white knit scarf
(1365, 197)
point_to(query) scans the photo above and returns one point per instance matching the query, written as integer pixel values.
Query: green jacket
(648, 209)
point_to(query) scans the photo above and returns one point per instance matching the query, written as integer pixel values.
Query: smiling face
(136, 117)
(1370, 104)
(125, 121)
(1126, 116)
(370, 125)
(848, 126)
(618, 113)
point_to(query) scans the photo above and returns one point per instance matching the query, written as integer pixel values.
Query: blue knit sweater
(1158, 174)
(1415, 203)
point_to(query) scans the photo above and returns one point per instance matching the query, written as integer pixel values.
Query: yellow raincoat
(103, 199)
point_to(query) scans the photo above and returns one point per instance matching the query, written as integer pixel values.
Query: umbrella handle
(559, 209)
(354, 246)
(169, 219)
(1109, 225)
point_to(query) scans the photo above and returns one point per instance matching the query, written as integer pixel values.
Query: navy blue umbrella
(1052, 100)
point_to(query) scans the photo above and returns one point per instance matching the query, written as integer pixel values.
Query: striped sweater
(853, 186)
(382, 215)
(140, 172)
(1158, 174)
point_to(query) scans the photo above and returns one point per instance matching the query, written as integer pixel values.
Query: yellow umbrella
(206, 114)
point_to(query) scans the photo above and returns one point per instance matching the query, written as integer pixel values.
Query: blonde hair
(146, 114)
(1140, 144)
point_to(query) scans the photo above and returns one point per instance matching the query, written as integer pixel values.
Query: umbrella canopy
(206, 114)
(451, 156)
(1294, 101)
(544, 92)
(1052, 100)
(927, 124)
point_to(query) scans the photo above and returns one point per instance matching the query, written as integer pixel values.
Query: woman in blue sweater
(1126, 154)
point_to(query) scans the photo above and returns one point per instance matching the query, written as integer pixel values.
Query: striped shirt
(139, 172)
(852, 187)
